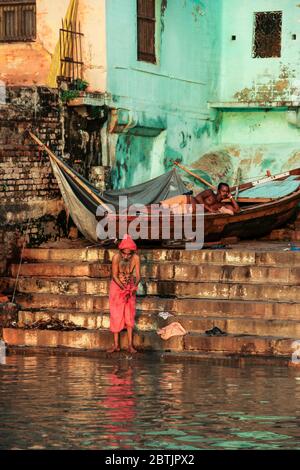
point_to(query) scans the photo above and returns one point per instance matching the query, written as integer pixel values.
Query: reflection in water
(87, 403)
(119, 405)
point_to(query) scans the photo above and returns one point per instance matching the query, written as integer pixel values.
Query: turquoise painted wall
(258, 139)
(244, 78)
(172, 95)
(194, 104)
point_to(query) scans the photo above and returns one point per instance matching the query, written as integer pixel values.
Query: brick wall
(29, 195)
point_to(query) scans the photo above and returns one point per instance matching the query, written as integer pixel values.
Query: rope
(20, 263)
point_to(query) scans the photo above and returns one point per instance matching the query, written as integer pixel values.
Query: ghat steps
(252, 295)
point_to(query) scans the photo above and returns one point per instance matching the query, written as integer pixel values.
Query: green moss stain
(171, 155)
(197, 8)
(163, 7)
(199, 131)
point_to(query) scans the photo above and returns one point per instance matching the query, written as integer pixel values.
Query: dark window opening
(233, 37)
(17, 20)
(267, 34)
(294, 37)
(146, 30)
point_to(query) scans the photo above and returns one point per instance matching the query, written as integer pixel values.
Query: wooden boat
(258, 215)
(261, 211)
(255, 219)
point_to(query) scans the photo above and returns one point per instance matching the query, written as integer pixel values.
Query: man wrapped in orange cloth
(122, 292)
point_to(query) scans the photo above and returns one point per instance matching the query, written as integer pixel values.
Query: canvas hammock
(82, 205)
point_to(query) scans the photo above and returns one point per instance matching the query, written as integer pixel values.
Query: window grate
(267, 34)
(71, 64)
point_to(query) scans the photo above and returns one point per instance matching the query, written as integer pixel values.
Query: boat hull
(252, 222)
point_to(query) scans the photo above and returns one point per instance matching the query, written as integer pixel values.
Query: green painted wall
(171, 95)
(194, 104)
(245, 78)
(256, 139)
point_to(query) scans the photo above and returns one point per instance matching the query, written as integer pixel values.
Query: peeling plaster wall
(92, 16)
(245, 78)
(28, 63)
(258, 139)
(173, 93)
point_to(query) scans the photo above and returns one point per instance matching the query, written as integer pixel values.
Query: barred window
(146, 30)
(17, 20)
(267, 34)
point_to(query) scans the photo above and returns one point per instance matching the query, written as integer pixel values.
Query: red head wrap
(127, 243)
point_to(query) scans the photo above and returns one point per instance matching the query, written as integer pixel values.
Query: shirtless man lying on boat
(212, 202)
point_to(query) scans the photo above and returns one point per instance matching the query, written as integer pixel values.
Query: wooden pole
(238, 180)
(67, 170)
(195, 176)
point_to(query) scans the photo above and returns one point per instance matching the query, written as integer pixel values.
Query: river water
(62, 402)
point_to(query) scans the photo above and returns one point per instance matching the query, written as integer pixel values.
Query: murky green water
(89, 403)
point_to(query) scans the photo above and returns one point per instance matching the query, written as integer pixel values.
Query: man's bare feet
(132, 350)
(113, 349)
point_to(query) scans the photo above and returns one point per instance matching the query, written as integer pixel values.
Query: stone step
(150, 321)
(166, 271)
(198, 307)
(284, 234)
(47, 269)
(208, 290)
(101, 340)
(221, 257)
(91, 321)
(268, 346)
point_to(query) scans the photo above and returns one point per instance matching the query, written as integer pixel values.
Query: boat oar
(67, 170)
(194, 175)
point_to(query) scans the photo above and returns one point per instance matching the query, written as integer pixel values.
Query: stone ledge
(166, 271)
(88, 339)
(221, 257)
(102, 340)
(150, 321)
(177, 289)
(240, 345)
(196, 307)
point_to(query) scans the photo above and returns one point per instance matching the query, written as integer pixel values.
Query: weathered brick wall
(2, 253)
(29, 195)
